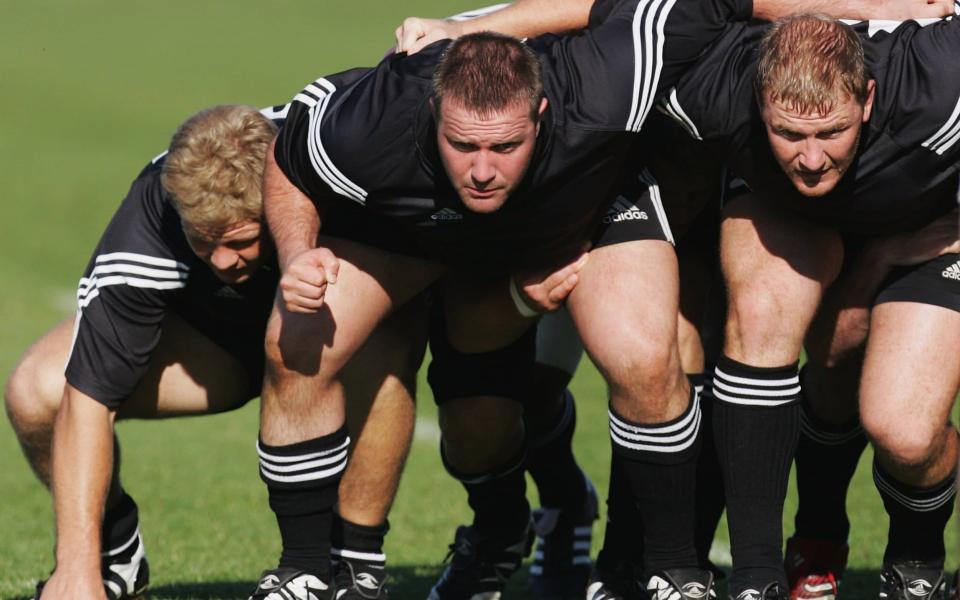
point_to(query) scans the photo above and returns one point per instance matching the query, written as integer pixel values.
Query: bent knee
(295, 344)
(648, 369)
(33, 393)
(763, 329)
(910, 444)
(758, 311)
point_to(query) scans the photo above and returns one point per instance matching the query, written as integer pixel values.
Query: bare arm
(533, 17)
(896, 10)
(82, 467)
(294, 224)
(291, 216)
(529, 18)
(523, 18)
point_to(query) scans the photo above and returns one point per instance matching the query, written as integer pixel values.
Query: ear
(540, 111)
(868, 103)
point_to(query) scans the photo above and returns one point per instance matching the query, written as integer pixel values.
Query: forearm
(82, 467)
(529, 18)
(292, 217)
(863, 10)
(770, 10)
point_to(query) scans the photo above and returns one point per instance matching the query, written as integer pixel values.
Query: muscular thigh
(370, 284)
(911, 373)
(625, 308)
(776, 267)
(385, 369)
(190, 374)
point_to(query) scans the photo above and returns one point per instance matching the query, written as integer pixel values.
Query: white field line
(720, 554)
(427, 431)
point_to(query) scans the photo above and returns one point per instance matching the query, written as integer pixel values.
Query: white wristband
(521, 306)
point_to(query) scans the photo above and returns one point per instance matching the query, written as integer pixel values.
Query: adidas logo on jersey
(953, 271)
(446, 214)
(623, 210)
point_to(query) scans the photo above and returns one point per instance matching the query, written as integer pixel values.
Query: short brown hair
(486, 72)
(809, 62)
(214, 169)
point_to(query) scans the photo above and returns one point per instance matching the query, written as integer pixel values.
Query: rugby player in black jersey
(772, 530)
(171, 317)
(841, 141)
(460, 180)
(462, 172)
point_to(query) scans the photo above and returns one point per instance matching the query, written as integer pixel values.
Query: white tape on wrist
(521, 306)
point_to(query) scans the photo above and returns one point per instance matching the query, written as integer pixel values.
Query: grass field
(90, 92)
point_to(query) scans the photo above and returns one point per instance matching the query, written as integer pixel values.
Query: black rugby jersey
(142, 267)
(367, 136)
(905, 173)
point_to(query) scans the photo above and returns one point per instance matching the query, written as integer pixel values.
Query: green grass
(89, 93)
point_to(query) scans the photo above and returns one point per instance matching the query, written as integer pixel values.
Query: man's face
(486, 158)
(233, 254)
(816, 149)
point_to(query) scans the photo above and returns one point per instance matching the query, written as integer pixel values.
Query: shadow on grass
(406, 582)
(414, 583)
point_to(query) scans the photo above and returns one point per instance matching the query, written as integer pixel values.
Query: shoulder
(358, 127)
(146, 227)
(918, 85)
(714, 99)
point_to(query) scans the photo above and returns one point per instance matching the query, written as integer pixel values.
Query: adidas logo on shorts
(623, 210)
(446, 214)
(953, 271)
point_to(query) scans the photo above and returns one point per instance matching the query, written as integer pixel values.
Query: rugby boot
(772, 591)
(354, 582)
(561, 560)
(814, 568)
(912, 581)
(125, 571)
(682, 584)
(604, 585)
(291, 584)
(479, 565)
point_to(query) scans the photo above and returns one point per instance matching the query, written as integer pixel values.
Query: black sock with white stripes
(551, 464)
(710, 500)
(358, 550)
(623, 536)
(918, 517)
(659, 462)
(121, 524)
(756, 423)
(827, 458)
(498, 497)
(302, 481)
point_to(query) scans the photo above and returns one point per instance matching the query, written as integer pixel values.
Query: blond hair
(214, 169)
(809, 63)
